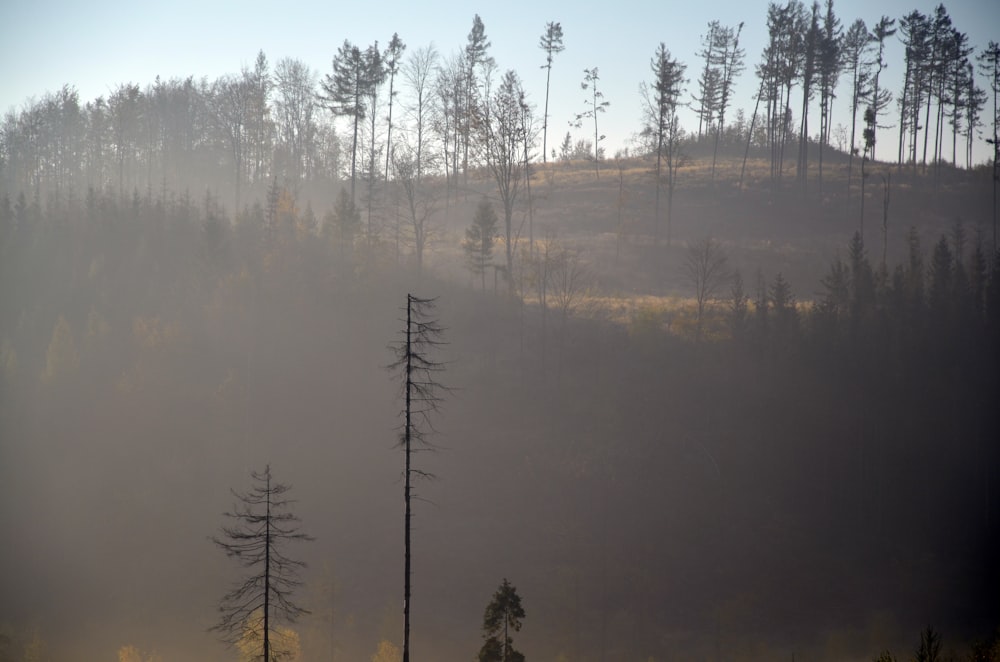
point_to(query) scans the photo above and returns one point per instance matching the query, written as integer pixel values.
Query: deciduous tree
(502, 139)
(705, 269)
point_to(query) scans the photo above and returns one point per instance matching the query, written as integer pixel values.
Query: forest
(727, 394)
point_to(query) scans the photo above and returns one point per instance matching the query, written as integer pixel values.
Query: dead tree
(262, 528)
(422, 395)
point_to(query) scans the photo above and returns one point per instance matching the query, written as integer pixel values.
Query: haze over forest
(725, 392)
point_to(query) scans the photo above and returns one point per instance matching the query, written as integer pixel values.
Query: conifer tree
(503, 615)
(552, 43)
(422, 392)
(262, 527)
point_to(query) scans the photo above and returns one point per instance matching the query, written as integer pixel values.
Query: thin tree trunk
(267, 572)
(406, 479)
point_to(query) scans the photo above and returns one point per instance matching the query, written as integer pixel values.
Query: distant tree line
(280, 122)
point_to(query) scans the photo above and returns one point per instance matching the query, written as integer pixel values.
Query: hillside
(817, 480)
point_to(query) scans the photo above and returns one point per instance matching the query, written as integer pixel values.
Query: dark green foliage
(503, 616)
(479, 240)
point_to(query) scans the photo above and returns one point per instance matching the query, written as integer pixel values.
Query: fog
(648, 495)
(738, 411)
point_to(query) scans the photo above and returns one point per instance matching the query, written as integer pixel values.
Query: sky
(96, 46)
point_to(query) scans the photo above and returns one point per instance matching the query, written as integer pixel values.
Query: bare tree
(502, 139)
(422, 395)
(417, 73)
(569, 277)
(420, 204)
(262, 527)
(294, 108)
(705, 269)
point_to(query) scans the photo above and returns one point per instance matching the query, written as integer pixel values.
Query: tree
(989, 65)
(417, 73)
(596, 105)
(738, 307)
(259, 82)
(662, 124)
(503, 614)
(294, 108)
(422, 396)
(731, 58)
(880, 98)
(376, 73)
(231, 98)
(262, 526)
(783, 58)
(347, 89)
(552, 43)
(502, 138)
(285, 645)
(857, 44)
(450, 120)
(705, 269)
(831, 62)
(913, 28)
(930, 646)
(420, 205)
(391, 60)
(347, 221)
(708, 82)
(479, 240)
(476, 48)
(808, 73)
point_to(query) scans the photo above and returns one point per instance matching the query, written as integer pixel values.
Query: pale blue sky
(97, 45)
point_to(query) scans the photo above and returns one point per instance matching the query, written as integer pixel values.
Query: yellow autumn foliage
(285, 646)
(387, 652)
(61, 359)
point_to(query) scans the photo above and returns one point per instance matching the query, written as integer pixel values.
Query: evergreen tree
(347, 90)
(503, 616)
(661, 125)
(392, 60)
(551, 42)
(479, 240)
(262, 527)
(595, 106)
